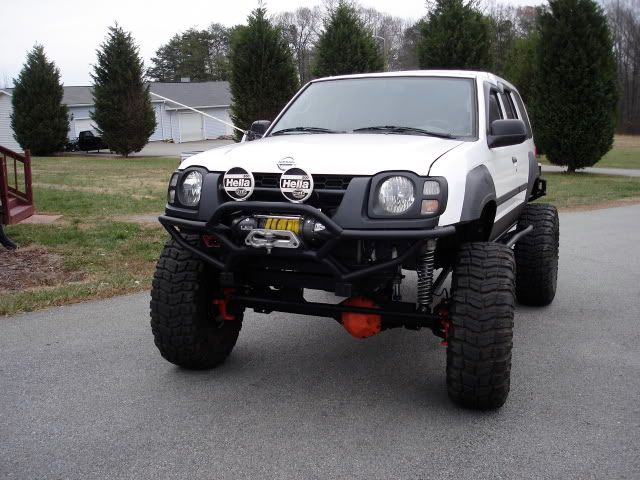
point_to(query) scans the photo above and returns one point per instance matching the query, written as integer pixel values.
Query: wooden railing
(13, 185)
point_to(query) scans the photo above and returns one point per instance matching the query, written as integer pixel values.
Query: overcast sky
(71, 30)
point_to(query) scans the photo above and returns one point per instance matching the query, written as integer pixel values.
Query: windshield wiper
(305, 129)
(400, 129)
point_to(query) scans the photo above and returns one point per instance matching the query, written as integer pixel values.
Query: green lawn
(624, 154)
(104, 255)
(581, 190)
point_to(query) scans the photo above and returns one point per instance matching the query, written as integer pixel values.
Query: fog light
(431, 188)
(429, 207)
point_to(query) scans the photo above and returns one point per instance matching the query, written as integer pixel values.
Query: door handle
(514, 160)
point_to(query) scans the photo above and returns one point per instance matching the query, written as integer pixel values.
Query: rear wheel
(537, 255)
(480, 335)
(188, 328)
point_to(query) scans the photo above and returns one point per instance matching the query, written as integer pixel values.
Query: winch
(277, 231)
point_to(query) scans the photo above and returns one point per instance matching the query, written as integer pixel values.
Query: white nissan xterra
(358, 180)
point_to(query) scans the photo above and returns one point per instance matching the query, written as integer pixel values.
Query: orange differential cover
(361, 325)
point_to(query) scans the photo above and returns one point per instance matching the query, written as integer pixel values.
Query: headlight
(396, 195)
(190, 189)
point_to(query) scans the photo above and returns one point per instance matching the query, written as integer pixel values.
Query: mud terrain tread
(481, 326)
(537, 255)
(184, 328)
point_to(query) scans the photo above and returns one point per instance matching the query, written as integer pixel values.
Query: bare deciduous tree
(624, 22)
(301, 29)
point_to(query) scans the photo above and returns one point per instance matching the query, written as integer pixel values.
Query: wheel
(187, 327)
(480, 334)
(537, 255)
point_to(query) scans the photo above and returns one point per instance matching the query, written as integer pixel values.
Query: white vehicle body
(510, 167)
(358, 180)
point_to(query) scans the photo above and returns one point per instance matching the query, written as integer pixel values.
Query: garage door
(190, 127)
(82, 124)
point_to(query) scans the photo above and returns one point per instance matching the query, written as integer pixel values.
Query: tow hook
(268, 239)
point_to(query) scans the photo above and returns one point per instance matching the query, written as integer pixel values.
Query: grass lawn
(624, 154)
(102, 254)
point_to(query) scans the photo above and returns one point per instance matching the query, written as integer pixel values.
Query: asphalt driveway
(84, 394)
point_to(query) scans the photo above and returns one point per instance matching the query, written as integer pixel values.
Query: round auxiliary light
(238, 183)
(396, 195)
(190, 189)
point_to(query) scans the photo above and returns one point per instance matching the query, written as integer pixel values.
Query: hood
(338, 154)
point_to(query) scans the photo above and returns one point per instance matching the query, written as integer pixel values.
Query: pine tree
(262, 72)
(346, 46)
(520, 64)
(574, 89)
(456, 36)
(39, 120)
(123, 111)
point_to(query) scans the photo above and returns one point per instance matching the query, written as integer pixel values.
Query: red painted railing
(16, 193)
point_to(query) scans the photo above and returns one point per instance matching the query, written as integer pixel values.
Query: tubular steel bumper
(322, 255)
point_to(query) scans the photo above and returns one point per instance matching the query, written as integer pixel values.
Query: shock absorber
(425, 266)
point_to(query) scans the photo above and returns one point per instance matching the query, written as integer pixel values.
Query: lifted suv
(360, 179)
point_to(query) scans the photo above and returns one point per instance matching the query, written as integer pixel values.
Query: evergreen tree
(574, 90)
(262, 72)
(200, 55)
(346, 46)
(520, 64)
(39, 120)
(167, 62)
(123, 111)
(456, 36)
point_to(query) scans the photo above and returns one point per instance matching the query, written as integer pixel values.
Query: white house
(6, 132)
(173, 122)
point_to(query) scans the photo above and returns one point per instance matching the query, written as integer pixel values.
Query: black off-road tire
(537, 255)
(186, 326)
(480, 336)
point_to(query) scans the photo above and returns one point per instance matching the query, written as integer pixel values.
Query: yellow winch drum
(291, 224)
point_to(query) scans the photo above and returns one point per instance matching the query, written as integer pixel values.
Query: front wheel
(480, 335)
(537, 255)
(187, 326)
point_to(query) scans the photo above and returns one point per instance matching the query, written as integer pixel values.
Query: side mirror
(506, 132)
(258, 129)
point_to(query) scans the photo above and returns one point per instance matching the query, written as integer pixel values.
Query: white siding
(167, 122)
(214, 129)
(175, 126)
(158, 134)
(79, 113)
(191, 126)
(6, 132)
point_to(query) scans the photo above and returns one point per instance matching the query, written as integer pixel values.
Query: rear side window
(515, 96)
(508, 106)
(494, 108)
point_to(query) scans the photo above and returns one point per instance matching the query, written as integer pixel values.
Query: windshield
(402, 105)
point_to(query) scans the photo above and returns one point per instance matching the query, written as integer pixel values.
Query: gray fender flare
(479, 190)
(533, 174)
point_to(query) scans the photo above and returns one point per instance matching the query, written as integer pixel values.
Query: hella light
(190, 189)
(396, 195)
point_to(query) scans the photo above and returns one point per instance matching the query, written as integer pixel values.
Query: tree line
(571, 60)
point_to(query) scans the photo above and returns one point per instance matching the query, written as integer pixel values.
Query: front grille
(320, 182)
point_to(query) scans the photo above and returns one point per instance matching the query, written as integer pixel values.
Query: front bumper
(322, 255)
